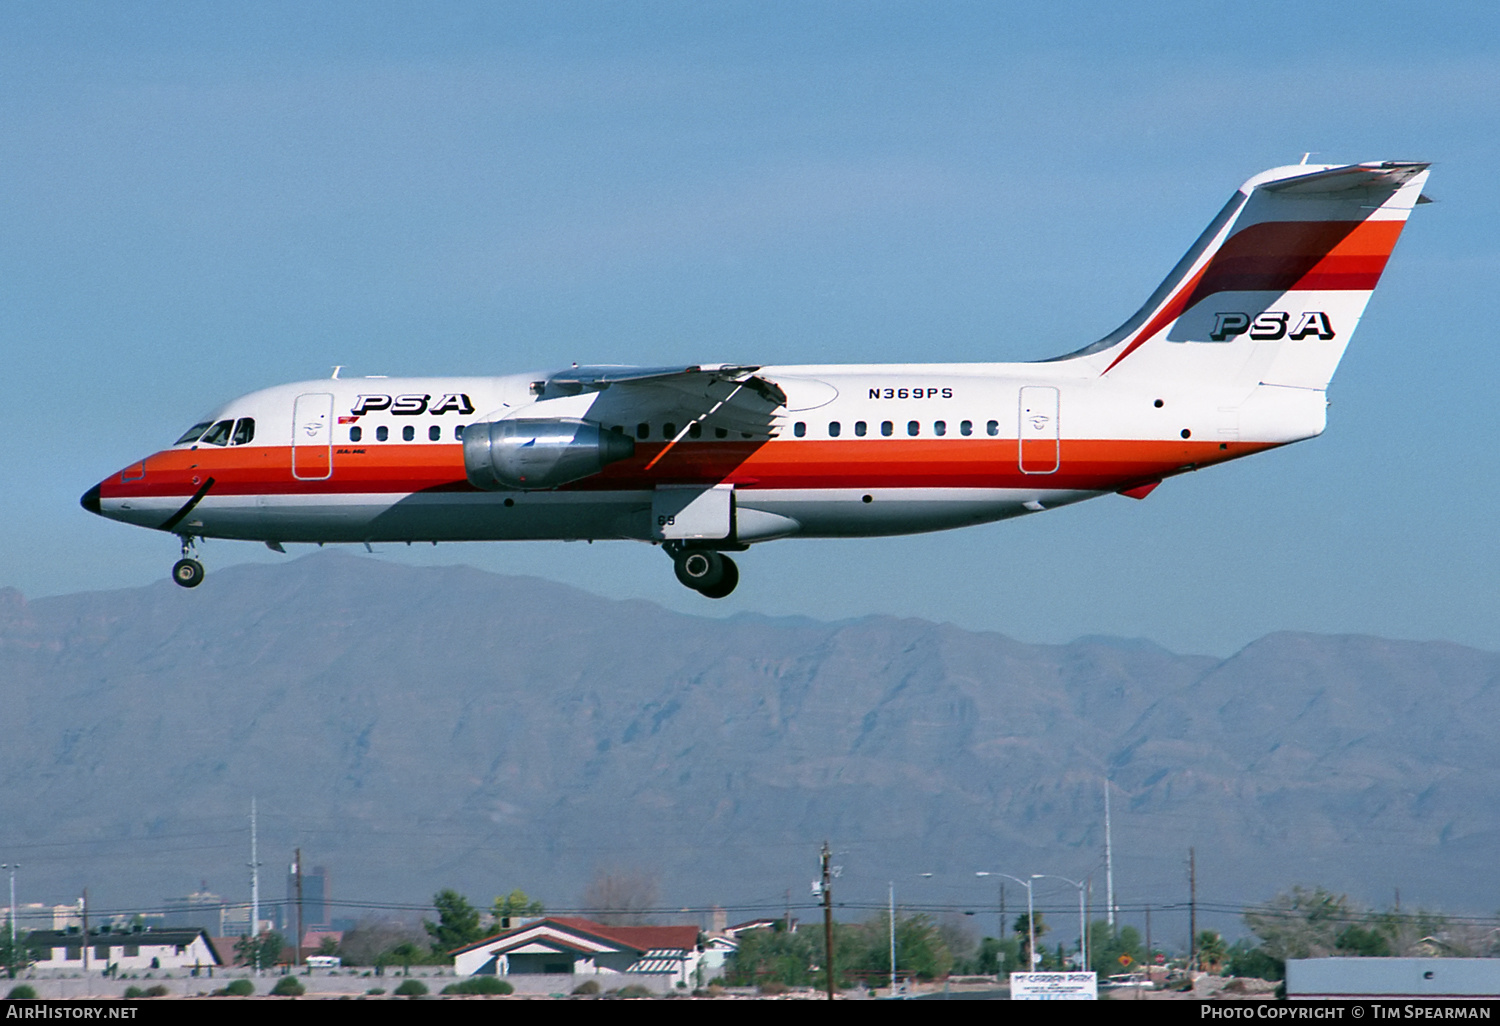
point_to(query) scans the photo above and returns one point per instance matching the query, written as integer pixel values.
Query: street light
(1083, 944)
(1030, 917)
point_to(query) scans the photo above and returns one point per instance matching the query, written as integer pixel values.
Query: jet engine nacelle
(536, 454)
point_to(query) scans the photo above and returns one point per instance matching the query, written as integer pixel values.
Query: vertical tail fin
(1276, 285)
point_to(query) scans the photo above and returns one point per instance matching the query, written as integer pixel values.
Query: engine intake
(537, 454)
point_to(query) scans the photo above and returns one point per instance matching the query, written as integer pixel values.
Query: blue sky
(202, 200)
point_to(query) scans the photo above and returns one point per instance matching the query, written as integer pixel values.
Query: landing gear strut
(187, 571)
(707, 572)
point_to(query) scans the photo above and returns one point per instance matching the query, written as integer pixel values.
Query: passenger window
(939, 428)
(859, 428)
(834, 429)
(218, 434)
(643, 431)
(382, 433)
(887, 428)
(193, 433)
(724, 433)
(913, 428)
(966, 428)
(408, 433)
(669, 430)
(244, 430)
(993, 427)
(618, 429)
(433, 434)
(696, 431)
(800, 429)
(458, 436)
(355, 434)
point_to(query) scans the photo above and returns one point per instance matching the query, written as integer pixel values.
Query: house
(129, 951)
(580, 947)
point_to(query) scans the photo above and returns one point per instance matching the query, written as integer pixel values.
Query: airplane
(1231, 355)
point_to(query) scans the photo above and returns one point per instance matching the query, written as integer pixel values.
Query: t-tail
(1274, 288)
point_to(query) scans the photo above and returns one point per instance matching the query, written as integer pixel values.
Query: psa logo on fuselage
(1271, 325)
(412, 405)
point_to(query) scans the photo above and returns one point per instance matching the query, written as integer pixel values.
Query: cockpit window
(192, 433)
(218, 434)
(244, 430)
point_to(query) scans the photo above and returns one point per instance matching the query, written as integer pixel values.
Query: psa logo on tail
(1270, 325)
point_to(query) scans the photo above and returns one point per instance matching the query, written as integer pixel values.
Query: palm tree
(1212, 951)
(1024, 933)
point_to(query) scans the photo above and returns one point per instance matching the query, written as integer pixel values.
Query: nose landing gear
(187, 572)
(710, 573)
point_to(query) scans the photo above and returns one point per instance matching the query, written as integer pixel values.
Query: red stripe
(1087, 464)
(1280, 256)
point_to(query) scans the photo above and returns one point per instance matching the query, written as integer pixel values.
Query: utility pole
(1109, 863)
(254, 933)
(83, 904)
(893, 938)
(1089, 918)
(1192, 910)
(297, 945)
(1150, 958)
(1002, 911)
(828, 915)
(12, 867)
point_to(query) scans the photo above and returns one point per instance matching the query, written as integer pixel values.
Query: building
(315, 908)
(129, 951)
(1392, 979)
(36, 916)
(201, 910)
(556, 946)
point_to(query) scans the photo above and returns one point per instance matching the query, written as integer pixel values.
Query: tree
(1107, 949)
(1317, 923)
(514, 904)
(1212, 951)
(995, 955)
(920, 948)
(1023, 934)
(1301, 924)
(372, 940)
(457, 925)
(765, 956)
(1359, 940)
(1246, 959)
(14, 957)
(406, 954)
(261, 952)
(621, 898)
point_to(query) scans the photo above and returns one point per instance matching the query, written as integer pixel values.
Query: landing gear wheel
(726, 583)
(188, 573)
(700, 569)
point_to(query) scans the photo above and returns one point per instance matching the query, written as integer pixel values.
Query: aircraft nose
(90, 500)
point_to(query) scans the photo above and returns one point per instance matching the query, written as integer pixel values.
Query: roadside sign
(1054, 986)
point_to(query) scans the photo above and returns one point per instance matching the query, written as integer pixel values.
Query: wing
(732, 399)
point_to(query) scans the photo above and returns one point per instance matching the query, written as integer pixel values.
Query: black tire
(726, 583)
(699, 568)
(188, 573)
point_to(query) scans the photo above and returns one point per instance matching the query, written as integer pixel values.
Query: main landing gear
(187, 571)
(706, 571)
